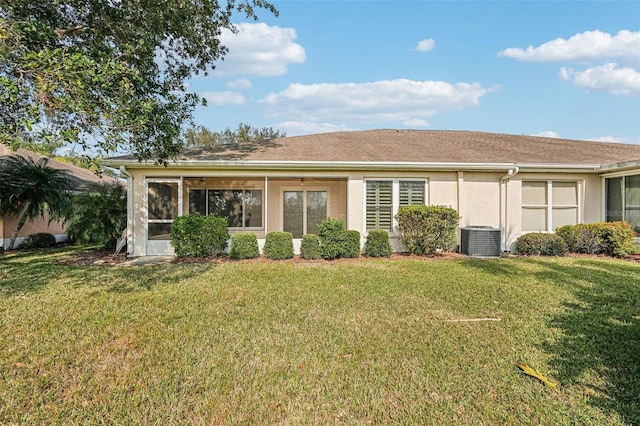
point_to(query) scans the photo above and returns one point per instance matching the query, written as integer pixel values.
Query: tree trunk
(22, 219)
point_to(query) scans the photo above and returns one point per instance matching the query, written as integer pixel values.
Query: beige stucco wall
(476, 195)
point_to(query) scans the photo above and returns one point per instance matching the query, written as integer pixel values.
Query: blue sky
(551, 68)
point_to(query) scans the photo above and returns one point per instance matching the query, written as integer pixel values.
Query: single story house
(517, 184)
(83, 180)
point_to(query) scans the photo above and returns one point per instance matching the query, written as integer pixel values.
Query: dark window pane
(253, 208)
(227, 203)
(613, 194)
(159, 231)
(198, 201)
(292, 213)
(316, 210)
(162, 200)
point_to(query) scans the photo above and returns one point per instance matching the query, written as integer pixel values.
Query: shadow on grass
(30, 272)
(600, 329)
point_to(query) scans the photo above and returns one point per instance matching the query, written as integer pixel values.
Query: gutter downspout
(130, 220)
(503, 204)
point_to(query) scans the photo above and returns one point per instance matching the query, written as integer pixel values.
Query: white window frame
(395, 197)
(549, 206)
(304, 202)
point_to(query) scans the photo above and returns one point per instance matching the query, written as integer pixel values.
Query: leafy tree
(200, 136)
(99, 216)
(108, 74)
(28, 189)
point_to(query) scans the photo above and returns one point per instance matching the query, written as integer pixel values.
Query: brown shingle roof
(418, 146)
(82, 179)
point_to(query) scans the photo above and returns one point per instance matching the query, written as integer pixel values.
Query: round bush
(310, 248)
(199, 236)
(609, 238)
(377, 244)
(39, 240)
(539, 244)
(332, 238)
(425, 230)
(244, 245)
(351, 248)
(278, 245)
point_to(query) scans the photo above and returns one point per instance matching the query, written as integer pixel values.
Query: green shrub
(244, 245)
(98, 217)
(38, 240)
(377, 244)
(278, 245)
(310, 248)
(352, 247)
(199, 236)
(609, 238)
(427, 229)
(539, 244)
(332, 238)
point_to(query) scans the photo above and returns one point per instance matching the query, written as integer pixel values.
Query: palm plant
(98, 217)
(29, 189)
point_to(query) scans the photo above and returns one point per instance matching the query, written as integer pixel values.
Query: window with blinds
(384, 197)
(411, 193)
(379, 205)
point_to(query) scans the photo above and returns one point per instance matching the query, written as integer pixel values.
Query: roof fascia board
(621, 167)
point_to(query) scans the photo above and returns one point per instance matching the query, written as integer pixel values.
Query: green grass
(367, 341)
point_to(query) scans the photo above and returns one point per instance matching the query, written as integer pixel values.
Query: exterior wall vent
(481, 241)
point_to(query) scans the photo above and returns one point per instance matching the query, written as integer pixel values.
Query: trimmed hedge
(352, 248)
(244, 245)
(38, 240)
(278, 245)
(609, 238)
(539, 244)
(195, 235)
(332, 238)
(310, 248)
(425, 230)
(377, 244)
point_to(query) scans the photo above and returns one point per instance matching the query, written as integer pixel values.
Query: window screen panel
(564, 216)
(534, 219)
(564, 194)
(534, 193)
(198, 201)
(162, 200)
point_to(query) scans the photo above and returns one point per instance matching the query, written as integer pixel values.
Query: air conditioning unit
(481, 241)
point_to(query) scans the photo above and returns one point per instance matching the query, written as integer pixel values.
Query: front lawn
(348, 342)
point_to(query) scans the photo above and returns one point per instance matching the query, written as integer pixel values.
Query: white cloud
(239, 84)
(295, 128)
(548, 134)
(611, 139)
(588, 46)
(425, 45)
(607, 77)
(223, 98)
(259, 49)
(387, 100)
(416, 123)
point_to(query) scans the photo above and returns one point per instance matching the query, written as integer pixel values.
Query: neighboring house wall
(8, 225)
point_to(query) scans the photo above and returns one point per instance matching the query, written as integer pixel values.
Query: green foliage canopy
(200, 136)
(108, 74)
